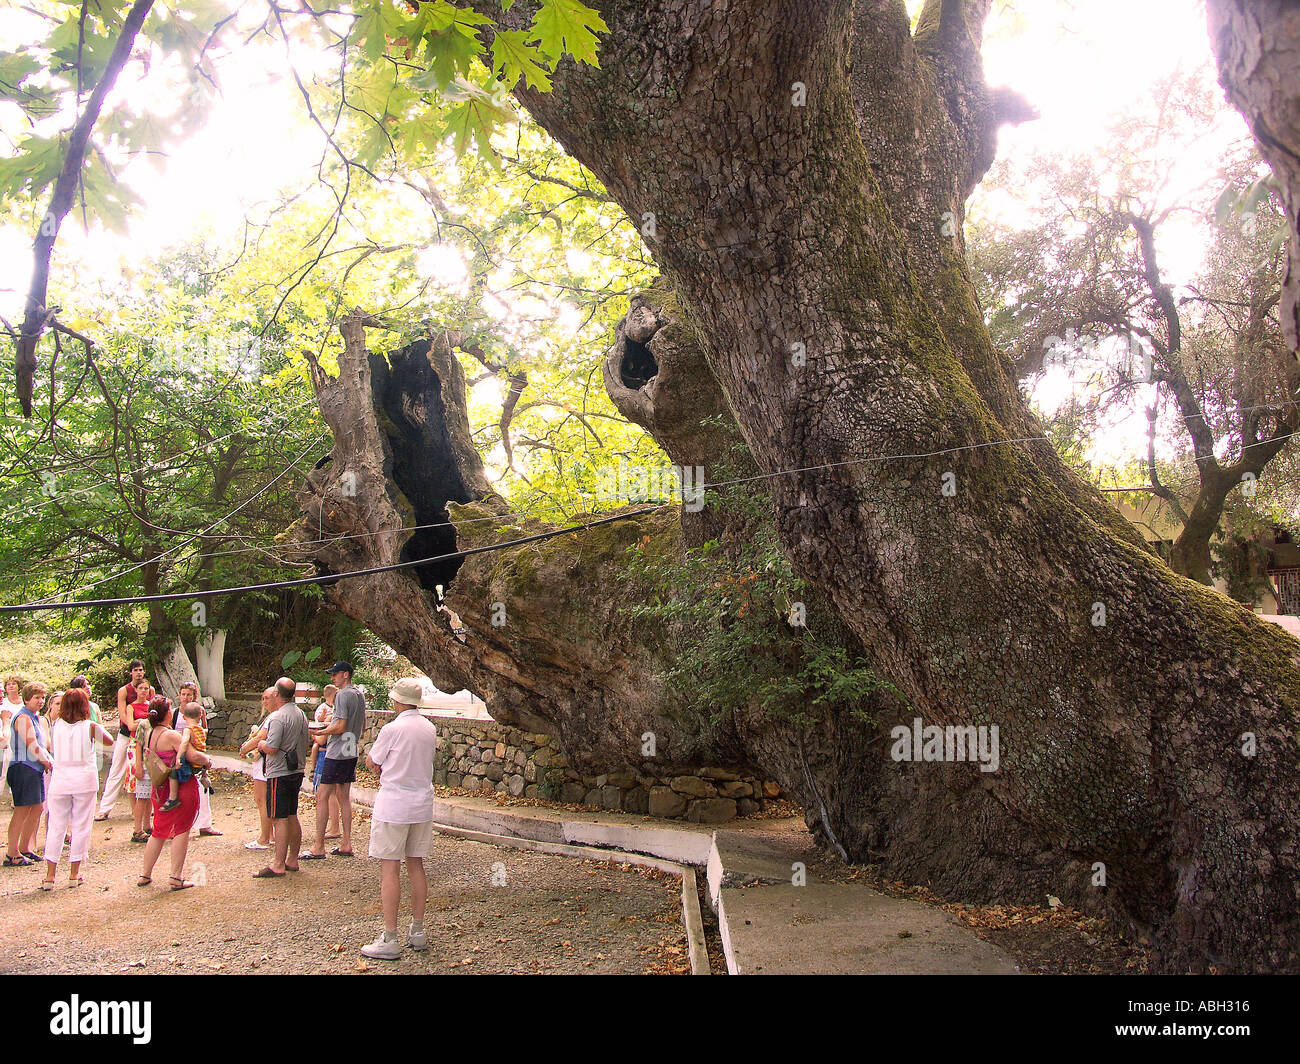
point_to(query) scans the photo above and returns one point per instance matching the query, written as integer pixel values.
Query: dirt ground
(549, 914)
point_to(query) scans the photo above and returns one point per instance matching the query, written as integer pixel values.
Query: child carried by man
(195, 738)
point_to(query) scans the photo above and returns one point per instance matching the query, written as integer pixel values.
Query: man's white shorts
(392, 842)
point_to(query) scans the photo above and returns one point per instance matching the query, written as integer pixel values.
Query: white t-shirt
(404, 750)
(72, 749)
(7, 711)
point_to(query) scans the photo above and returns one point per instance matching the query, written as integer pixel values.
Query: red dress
(176, 821)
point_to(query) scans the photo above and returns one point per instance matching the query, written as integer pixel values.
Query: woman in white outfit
(70, 796)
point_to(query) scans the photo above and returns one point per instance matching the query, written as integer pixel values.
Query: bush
(105, 678)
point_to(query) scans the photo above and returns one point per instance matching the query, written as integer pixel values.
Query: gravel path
(551, 913)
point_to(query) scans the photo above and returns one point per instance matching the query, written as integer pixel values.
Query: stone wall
(235, 716)
(230, 720)
(484, 756)
(490, 758)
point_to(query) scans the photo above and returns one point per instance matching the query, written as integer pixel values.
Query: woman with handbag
(173, 826)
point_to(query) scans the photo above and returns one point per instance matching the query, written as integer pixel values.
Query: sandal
(47, 884)
(139, 836)
(210, 831)
(75, 882)
(185, 884)
(268, 873)
(101, 816)
(309, 856)
(16, 862)
(35, 858)
(144, 881)
(342, 853)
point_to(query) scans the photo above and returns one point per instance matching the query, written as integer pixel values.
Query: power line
(332, 577)
(328, 578)
(874, 458)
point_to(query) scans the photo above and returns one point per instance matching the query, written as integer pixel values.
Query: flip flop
(309, 856)
(255, 846)
(342, 853)
(268, 873)
(185, 884)
(208, 831)
(144, 881)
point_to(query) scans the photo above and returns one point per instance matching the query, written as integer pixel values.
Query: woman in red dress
(173, 826)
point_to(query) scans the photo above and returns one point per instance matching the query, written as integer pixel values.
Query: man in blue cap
(340, 767)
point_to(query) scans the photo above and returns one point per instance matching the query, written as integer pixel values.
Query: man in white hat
(401, 823)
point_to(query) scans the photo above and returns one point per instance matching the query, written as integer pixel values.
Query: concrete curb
(694, 923)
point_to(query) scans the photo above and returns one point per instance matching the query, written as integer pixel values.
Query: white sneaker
(416, 939)
(383, 949)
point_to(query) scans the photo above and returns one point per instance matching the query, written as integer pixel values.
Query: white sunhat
(411, 692)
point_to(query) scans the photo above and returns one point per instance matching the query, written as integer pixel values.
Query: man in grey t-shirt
(340, 767)
(285, 750)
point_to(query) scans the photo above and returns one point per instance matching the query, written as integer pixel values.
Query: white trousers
(75, 810)
(116, 774)
(204, 820)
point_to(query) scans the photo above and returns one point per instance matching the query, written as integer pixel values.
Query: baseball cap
(341, 666)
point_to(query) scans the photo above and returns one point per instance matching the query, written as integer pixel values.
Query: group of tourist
(53, 746)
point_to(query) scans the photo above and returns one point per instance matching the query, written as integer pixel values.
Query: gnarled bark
(1257, 45)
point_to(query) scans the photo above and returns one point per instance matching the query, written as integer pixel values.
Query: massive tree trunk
(1257, 44)
(1122, 692)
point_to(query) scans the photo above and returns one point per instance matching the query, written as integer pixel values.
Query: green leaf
(379, 20)
(312, 654)
(513, 56)
(474, 117)
(290, 659)
(451, 53)
(36, 165)
(568, 26)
